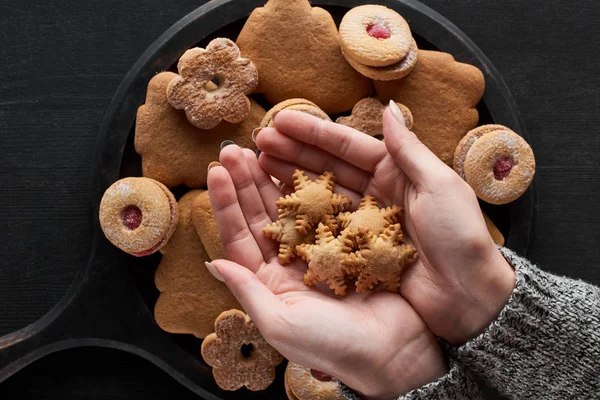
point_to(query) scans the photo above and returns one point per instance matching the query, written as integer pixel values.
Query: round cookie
(138, 215)
(499, 167)
(303, 105)
(288, 390)
(391, 72)
(375, 36)
(460, 154)
(307, 384)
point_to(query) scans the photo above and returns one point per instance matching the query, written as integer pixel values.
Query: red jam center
(131, 217)
(502, 167)
(378, 31)
(321, 376)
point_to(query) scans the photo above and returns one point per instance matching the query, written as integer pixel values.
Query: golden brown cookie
(297, 52)
(288, 391)
(380, 258)
(324, 259)
(205, 223)
(495, 233)
(238, 353)
(391, 72)
(367, 116)
(308, 384)
(191, 298)
(500, 167)
(206, 106)
(174, 151)
(442, 94)
(313, 202)
(463, 147)
(375, 35)
(303, 105)
(284, 231)
(138, 215)
(369, 216)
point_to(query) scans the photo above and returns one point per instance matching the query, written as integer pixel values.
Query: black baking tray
(111, 301)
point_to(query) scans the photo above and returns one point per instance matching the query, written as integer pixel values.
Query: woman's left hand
(375, 343)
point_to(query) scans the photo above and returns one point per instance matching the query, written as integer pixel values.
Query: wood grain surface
(62, 60)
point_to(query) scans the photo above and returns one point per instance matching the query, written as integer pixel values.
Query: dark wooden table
(61, 61)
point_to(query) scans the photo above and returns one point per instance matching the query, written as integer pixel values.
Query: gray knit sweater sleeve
(544, 344)
(456, 384)
(546, 341)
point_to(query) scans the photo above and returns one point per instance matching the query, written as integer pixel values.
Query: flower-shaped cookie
(313, 202)
(204, 105)
(283, 230)
(325, 259)
(238, 353)
(369, 216)
(379, 258)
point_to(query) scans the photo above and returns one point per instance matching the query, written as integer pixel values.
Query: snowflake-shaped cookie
(313, 202)
(325, 259)
(283, 230)
(369, 216)
(380, 258)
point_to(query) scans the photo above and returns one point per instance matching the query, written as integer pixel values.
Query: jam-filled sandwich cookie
(205, 105)
(377, 42)
(238, 353)
(496, 162)
(309, 384)
(138, 215)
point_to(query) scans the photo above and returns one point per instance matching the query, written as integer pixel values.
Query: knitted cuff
(456, 384)
(546, 340)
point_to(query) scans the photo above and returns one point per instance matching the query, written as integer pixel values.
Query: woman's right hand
(461, 281)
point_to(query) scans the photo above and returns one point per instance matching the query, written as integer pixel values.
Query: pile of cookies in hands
(293, 56)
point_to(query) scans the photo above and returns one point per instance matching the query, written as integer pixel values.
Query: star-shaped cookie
(313, 202)
(283, 230)
(369, 216)
(380, 258)
(325, 259)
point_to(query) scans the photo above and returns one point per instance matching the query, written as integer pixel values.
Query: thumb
(419, 163)
(258, 301)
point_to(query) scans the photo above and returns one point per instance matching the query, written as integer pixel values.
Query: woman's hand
(375, 343)
(461, 281)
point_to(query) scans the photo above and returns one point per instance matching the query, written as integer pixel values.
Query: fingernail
(255, 133)
(258, 153)
(225, 143)
(396, 112)
(213, 164)
(213, 271)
